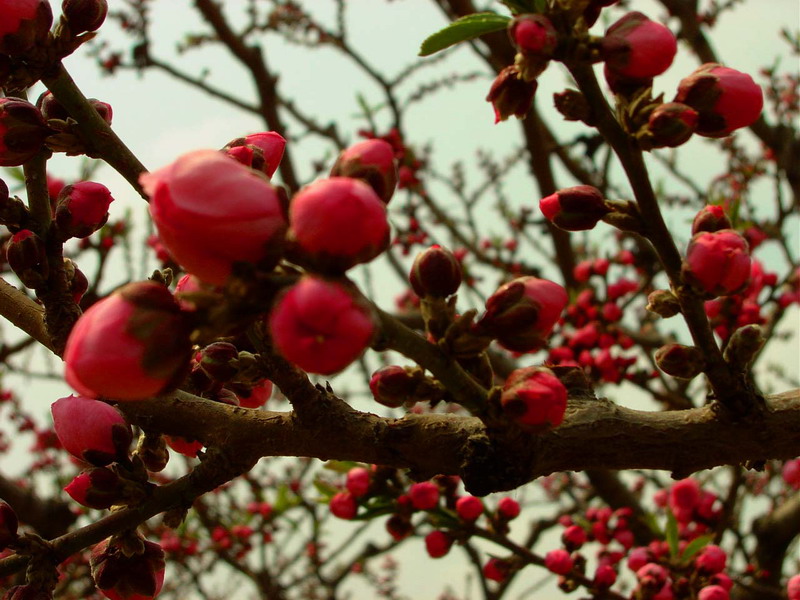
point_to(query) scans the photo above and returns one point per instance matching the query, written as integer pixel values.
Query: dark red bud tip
(84, 15)
(575, 209)
(436, 272)
(98, 488)
(510, 94)
(8, 525)
(683, 362)
(27, 257)
(438, 543)
(710, 218)
(216, 361)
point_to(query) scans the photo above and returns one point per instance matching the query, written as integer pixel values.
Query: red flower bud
(535, 38)
(23, 24)
(574, 537)
(496, 569)
(637, 48)
(672, 124)
(717, 263)
(558, 561)
(438, 543)
(522, 313)
(399, 527)
(22, 131)
(510, 94)
(8, 525)
(710, 218)
(344, 506)
(320, 326)
(424, 495)
(82, 209)
(122, 577)
(212, 213)
(98, 488)
(104, 109)
(256, 396)
(260, 151)
(216, 361)
(711, 559)
(436, 272)
(128, 346)
(183, 446)
(371, 161)
(508, 508)
(534, 398)
(605, 576)
(91, 430)
(393, 386)
(358, 480)
(713, 592)
(684, 362)
(51, 108)
(469, 508)
(726, 99)
(574, 209)
(793, 587)
(27, 256)
(338, 222)
(652, 576)
(84, 15)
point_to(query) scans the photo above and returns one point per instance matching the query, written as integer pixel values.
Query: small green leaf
(694, 547)
(465, 28)
(672, 534)
(326, 490)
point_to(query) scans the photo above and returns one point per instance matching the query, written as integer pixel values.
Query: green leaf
(672, 534)
(326, 490)
(465, 28)
(694, 547)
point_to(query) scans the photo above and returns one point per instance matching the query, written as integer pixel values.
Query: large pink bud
(717, 263)
(212, 212)
(522, 313)
(534, 398)
(260, 151)
(338, 222)
(82, 209)
(637, 48)
(91, 430)
(373, 162)
(726, 99)
(128, 346)
(122, 577)
(23, 23)
(320, 326)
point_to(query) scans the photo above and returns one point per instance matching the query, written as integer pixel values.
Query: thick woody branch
(23, 313)
(596, 434)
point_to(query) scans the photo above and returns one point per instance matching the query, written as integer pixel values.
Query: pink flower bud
(496, 570)
(257, 396)
(399, 527)
(27, 256)
(436, 272)
(522, 313)
(119, 576)
(344, 506)
(717, 263)
(84, 15)
(684, 495)
(652, 576)
(508, 508)
(510, 94)
(424, 495)
(393, 386)
(558, 561)
(91, 430)
(791, 473)
(605, 576)
(534, 398)
(22, 131)
(104, 109)
(793, 588)
(710, 218)
(358, 480)
(51, 108)
(260, 151)
(320, 326)
(373, 162)
(184, 446)
(535, 38)
(573, 537)
(438, 543)
(23, 24)
(8, 525)
(672, 124)
(128, 346)
(574, 209)
(711, 559)
(726, 99)
(713, 592)
(469, 508)
(212, 213)
(637, 48)
(338, 223)
(82, 209)
(98, 488)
